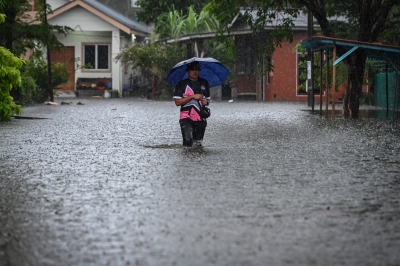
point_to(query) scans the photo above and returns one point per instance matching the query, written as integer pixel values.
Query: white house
(99, 35)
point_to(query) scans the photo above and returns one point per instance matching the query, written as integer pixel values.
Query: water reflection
(95, 186)
(363, 113)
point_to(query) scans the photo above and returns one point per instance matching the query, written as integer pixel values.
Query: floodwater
(108, 183)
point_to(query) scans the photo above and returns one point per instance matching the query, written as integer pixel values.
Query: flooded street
(109, 183)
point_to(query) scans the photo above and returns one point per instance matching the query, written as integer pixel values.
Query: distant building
(281, 84)
(100, 33)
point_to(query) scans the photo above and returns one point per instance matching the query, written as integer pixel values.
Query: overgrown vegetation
(153, 60)
(18, 35)
(36, 69)
(341, 72)
(10, 77)
(373, 67)
(174, 23)
(151, 10)
(156, 59)
(366, 21)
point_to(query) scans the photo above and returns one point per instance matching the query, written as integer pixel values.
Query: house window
(249, 60)
(97, 56)
(246, 58)
(301, 73)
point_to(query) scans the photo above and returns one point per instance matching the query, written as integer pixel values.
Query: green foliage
(302, 66)
(153, 60)
(27, 91)
(392, 34)
(18, 34)
(156, 60)
(224, 10)
(341, 72)
(170, 24)
(115, 93)
(367, 21)
(152, 9)
(59, 74)
(356, 26)
(148, 56)
(9, 77)
(37, 69)
(370, 21)
(224, 52)
(267, 11)
(367, 98)
(79, 66)
(199, 23)
(174, 23)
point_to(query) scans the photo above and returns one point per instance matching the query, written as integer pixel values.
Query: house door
(66, 56)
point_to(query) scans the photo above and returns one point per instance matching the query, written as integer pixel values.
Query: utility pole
(310, 63)
(49, 75)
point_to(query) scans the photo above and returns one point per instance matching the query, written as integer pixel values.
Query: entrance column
(116, 71)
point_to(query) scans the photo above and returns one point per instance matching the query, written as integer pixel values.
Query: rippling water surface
(108, 183)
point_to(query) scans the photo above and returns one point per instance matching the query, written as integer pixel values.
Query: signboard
(308, 69)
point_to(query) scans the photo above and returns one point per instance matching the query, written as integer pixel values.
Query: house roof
(240, 27)
(118, 20)
(237, 25)
(389, 53)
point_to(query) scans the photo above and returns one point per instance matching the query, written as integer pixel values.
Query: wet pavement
(108, 183)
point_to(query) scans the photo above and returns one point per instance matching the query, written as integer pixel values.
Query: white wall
(82, 19)
(90, 28)
(57, 3)
(127, 71)
(76, 38)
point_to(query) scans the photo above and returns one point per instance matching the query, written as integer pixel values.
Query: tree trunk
(356, 80)
(155, 87)
(50, 78)
(11, 16)
(346, 110)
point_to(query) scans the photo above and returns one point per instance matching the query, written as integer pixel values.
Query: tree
(18, 34)
(150, 10)
(170, 24)
(392, 35)
(9, 78)
(153, 60)
(199, 23)
(156, 59)
(367, 21)
(175, 24)
(37, 69)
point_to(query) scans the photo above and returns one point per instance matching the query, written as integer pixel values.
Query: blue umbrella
(211, 70)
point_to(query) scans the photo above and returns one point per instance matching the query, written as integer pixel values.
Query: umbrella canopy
(211, 70)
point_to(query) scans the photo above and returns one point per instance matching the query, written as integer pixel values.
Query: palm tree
(174, 23)
(199, 23)
(170, 24)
